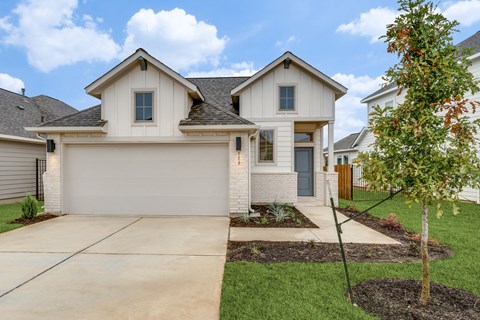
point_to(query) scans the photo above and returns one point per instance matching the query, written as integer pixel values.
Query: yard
(317, 290)
(8, 213)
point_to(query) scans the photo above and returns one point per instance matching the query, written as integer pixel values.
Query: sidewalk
(353, 232)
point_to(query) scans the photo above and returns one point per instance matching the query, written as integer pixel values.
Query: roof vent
(23, 92)
(21, 108)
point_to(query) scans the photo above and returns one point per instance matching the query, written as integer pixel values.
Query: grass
(317, 290)
(10, 212)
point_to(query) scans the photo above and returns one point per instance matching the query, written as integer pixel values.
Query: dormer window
(143, 106)
(286, 98)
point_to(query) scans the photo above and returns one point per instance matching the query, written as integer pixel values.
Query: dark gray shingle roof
(53, 108)
(345, 143)
(18, 111)
(90, 117)
(472, 42)
(218, 108)
(381, 90)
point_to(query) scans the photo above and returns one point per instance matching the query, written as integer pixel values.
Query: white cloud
(283, 44)
(52, 37)
(371, 24)
(174, 37)
(350, 113)
(464, 12)
(11, 83)
(242, 69)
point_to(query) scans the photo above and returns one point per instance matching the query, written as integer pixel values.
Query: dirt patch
(267, 220)
(398, 299)
(407, 251)
(39, 218)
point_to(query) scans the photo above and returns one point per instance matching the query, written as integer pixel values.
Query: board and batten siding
(313, 98)
(18, 168)
(170, 103)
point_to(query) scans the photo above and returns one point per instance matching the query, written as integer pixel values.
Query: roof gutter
(20, 139)
(220, 127)
(66, 129)
(365, 100)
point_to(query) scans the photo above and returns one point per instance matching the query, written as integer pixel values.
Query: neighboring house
(346, 149)
(162, 144)
(389, 96)
(18, 147)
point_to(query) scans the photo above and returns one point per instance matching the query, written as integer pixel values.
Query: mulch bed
(303, 221)
(407, 251)
(398, 299)
(39, 218)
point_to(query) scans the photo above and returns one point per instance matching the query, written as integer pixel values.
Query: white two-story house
(162, 144)
(389, 96)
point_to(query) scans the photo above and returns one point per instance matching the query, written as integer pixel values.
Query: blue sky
(57, 47)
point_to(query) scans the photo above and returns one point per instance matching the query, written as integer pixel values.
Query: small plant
(255, 250)
(416, 238)
(278, 210)
(245, 217)
(351, 208)
(29, 207)
(369, 254)
(264, 220)
(312, 243)
(391, 222)
(298, 222)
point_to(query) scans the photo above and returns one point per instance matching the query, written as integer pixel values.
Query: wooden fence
(345, 181)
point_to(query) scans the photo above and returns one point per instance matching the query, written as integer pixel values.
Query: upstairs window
(287, 98)
(266, 146)
(143, 106)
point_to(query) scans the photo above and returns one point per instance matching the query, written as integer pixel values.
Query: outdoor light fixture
(143, 63)
(50, 145)
(238, 141)
(286, 63)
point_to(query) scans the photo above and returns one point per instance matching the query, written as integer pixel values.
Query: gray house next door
(304, 169)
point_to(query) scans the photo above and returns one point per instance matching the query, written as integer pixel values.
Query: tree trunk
(425, 259)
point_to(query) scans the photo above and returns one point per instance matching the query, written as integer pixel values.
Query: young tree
(427, 144)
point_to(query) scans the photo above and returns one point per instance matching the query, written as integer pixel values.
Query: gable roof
(90, 117)
(93, 88)
(18, 111)
(346, 143)
(339, 89)
(472, 42)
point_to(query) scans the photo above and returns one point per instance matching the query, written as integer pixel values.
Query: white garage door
(153, 179)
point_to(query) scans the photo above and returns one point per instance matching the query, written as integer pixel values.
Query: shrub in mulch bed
(39, 218)
(295, 220)
(398, 299)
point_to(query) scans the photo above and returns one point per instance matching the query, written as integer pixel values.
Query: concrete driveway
(79, 267)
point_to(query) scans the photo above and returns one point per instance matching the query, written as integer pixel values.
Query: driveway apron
(84, 267)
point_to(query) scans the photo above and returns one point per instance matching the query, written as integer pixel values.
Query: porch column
(330, 147)
(320, 145)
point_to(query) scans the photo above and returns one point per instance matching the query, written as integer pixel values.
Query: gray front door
(304, 169)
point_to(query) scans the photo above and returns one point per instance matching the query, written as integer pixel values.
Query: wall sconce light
(50, 145)
(286, 63)
(143, 63)
(238, 147)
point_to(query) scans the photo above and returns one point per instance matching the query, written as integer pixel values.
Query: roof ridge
(218, 77)
(18, 94)
(70, 115)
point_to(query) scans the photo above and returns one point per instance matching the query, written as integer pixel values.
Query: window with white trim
(266, 147)
(144, 106)
(286, 98)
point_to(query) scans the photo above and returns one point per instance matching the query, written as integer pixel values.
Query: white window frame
(266, 163)
(295, 100)
(152, 122)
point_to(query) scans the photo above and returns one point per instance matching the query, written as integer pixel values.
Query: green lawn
(316, 290)
(10, 212)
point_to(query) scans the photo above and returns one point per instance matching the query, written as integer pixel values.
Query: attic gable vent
(21, 108)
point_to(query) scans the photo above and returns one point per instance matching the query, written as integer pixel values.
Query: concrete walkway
(353, 232)
(87, 267)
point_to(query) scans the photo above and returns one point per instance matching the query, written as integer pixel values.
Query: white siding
(17, 168)
(171, 104)
(313, 98)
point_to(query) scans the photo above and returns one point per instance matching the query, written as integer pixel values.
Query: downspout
(250, 210)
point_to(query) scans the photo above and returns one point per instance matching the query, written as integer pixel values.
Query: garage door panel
(182, 179)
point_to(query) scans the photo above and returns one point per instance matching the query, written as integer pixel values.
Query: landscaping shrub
(391, 222)
(29, 207)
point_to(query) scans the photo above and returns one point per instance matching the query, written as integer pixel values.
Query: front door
(304, 169)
